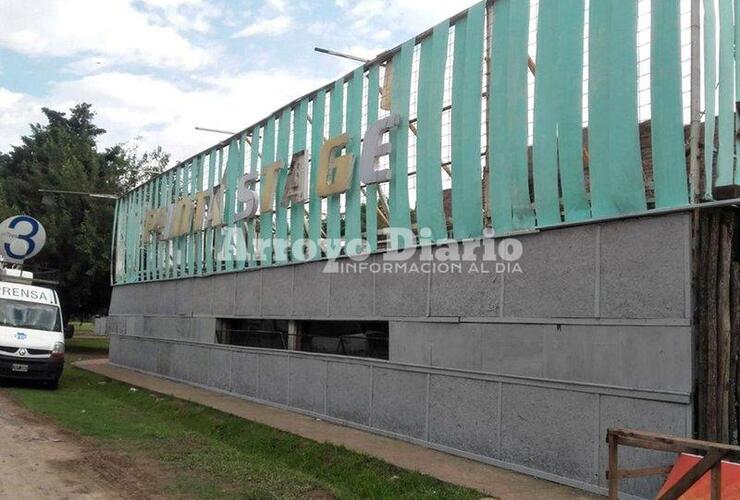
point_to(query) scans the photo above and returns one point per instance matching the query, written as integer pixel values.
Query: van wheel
(52, 384)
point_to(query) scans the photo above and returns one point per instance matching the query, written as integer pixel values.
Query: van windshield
(29, 315)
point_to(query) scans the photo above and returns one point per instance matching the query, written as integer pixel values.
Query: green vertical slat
(209, 233)
(234, 168)
(266, 219)
(333, 217)
(710, 94)
(558, 136)
(317, 139)
(617, 185)
(400, 212)
(197, 233)
(281, 213)
(371, 208)
(218, 234)
(467, 195)
(162, 244)
(155, 239)
(192, 187)
(570, 124)
(433, 60)
(139, 262)
(182, 240)
(297, 210)
(151, 249)
(669, 159)
(114, 243)
(240, 227)
(726, 128)
(352, 218)
(547, 92)
(251, 224)
(131, 243)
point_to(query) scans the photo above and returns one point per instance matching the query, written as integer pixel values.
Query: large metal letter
(335, 174)
(374, 148)
(245, 195)
(296, 186)
(269, 185)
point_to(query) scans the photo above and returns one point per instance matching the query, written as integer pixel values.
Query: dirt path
(39, 460)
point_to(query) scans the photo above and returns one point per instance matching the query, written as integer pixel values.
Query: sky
(156, 69)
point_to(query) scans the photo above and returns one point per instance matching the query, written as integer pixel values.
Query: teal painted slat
(669, 159)
(467, 194)
(182, 183)
(234, 169)
(152, 245)
(209, 233)
(710, 94)
(154, 238)
(371, 207)
(353, 215)
(558, 137)
(507, 142)
(298, 210)
(197, 233)
(726, 127)
(281, 213)
(433, 60)
(333, 217)
(317, 140)
(266, 219)
(114, 254)
(251, 224)
(400, 211)
(617, 185)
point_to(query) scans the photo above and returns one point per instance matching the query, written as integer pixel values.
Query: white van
(31, 333)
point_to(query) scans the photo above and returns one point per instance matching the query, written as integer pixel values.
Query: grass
(214, 455)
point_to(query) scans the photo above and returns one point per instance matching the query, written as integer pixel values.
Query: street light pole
(80, 193)
(341, 54)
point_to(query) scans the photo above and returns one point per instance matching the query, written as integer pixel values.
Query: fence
(510, 116)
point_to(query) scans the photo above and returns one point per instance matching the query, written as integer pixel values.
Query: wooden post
(613, 467)
(724, 323)
(711, 331)
(735, 390)
(716, 485)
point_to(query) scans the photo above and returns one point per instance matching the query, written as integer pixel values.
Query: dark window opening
(366, 339)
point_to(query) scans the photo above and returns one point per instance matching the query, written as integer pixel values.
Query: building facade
(363, 256)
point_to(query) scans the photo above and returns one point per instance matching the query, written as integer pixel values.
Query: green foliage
(63, 155)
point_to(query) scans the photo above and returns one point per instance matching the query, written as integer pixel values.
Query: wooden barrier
(713, 455)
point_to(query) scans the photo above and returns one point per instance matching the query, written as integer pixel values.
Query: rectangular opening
(365, 339)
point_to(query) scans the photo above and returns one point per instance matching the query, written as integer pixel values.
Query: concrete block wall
(604, 304)
(551, 429)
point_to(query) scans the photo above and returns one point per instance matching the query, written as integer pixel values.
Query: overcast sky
(158, 68)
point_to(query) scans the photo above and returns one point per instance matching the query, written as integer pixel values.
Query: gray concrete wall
(551, 429)
(603, 305)
(634, 271)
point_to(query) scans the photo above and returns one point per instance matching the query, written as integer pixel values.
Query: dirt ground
(39, 460)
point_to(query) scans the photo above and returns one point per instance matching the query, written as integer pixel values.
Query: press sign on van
(21, 237)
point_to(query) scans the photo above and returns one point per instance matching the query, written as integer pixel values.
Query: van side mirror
(69, 331)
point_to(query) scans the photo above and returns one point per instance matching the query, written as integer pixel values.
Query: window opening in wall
(367, 339)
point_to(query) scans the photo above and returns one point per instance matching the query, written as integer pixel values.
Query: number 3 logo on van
(21, 237)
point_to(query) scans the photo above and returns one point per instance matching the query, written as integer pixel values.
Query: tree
(63, 155)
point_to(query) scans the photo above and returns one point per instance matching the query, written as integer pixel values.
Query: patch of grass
(215, 455)
(83, 327)
(87, 346)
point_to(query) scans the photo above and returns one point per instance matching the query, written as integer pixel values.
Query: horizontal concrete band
(454, 319)
(624, 271)
(550, 428)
